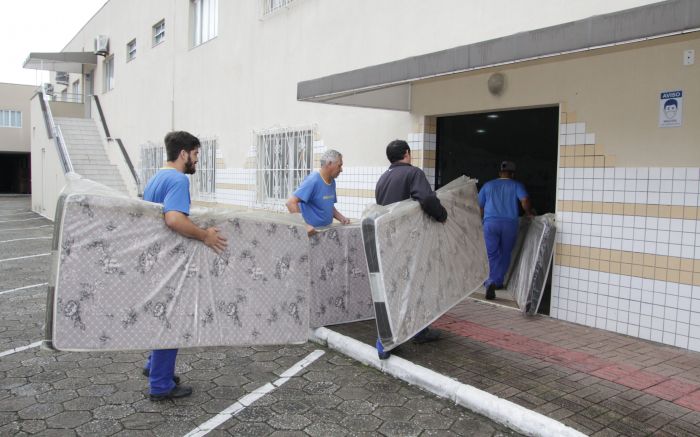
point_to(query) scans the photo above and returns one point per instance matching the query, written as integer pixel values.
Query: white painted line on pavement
(20, 349)
(22, 220)
(16, 213)
(256, 394)
(24, 288)
(23, 239)
(24, 257)
(500, 410)
(26, 229)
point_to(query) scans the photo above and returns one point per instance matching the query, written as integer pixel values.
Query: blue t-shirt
(317, 200)
(500, 198)
(171, 188)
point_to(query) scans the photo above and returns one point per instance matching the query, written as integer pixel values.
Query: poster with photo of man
(671, 109)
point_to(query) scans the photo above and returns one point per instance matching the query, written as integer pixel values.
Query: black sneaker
(147, 373)
(381, 353)
(426, 336)
(178, 392)
(491, 292)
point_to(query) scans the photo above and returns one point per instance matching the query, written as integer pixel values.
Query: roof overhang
(387, 86)
(71, 62)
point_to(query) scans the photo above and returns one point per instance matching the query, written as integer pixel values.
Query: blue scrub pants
(500, 236)
(161, 364)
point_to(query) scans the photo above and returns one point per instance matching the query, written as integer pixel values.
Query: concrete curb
(497, 409)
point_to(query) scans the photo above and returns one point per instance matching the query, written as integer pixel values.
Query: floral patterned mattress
(530, 267)
(122, 280)
(420, 268)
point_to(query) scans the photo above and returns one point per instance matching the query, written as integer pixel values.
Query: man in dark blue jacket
(400, 182)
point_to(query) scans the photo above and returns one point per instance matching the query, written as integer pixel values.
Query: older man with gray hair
(315, 198)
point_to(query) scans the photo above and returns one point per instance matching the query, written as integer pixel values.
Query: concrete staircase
(87, 152)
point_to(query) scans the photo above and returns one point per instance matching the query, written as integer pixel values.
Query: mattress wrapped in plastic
(523, 225)
(420, 268)
(122, 280)
(340, 290)
(530, 268)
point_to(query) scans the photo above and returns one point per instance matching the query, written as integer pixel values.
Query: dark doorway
(475, 144)
(15, 173)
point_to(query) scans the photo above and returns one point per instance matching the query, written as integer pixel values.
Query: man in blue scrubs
(499, 199)
(171, 187)
(315, 198)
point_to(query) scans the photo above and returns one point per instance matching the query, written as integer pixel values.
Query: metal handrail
(61, 142)
(66, 98)
(55, 133)
(125, 155)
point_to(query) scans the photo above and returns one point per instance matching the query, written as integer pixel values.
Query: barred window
(152, 160)
(204, 179)
(284, 160)
(270, 6)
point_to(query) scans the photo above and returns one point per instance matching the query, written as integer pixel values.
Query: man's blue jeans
(500, 236)
(161, 364)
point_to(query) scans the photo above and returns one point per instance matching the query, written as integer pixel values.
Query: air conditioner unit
(62, 77)
(102, 45)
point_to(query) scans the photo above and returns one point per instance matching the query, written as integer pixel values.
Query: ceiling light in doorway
(494, 116)
(481, 131)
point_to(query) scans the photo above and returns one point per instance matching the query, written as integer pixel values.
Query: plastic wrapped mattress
(530, 268)
(121, 280)
(340, 290)
(420, 268)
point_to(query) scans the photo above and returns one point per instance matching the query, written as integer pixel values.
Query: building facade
(15, 137)
(596, 101)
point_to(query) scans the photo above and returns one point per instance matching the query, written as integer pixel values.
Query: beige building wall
(16, 97)
(614, 91)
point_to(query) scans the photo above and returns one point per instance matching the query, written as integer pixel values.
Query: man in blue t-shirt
(499, 199)
(315, 198)
(171, 188)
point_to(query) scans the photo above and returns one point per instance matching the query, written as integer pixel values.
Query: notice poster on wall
(671, 109)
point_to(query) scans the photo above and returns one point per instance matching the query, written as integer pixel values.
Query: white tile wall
(662, 311)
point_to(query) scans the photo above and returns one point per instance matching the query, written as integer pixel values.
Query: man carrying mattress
(400, 182)
(315, 198)
(171, 188)
(499, 199)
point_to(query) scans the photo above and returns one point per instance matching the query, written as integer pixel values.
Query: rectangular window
(270, 6)
(10, 118)
(75, 91)
(152, 159)
(204, 179)
(108, 79)
(158, 32)
(205, 19)
(131, 50)
(284, 160)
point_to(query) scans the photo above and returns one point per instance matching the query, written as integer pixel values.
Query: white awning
(71, 62)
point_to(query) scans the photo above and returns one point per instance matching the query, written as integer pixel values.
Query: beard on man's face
(190, 167)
